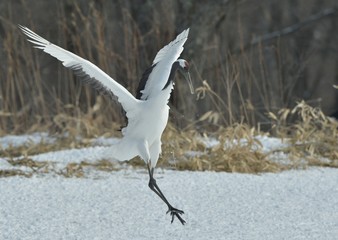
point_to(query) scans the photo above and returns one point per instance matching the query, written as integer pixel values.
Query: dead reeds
(38, 94)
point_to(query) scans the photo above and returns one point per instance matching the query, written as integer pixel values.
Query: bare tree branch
(293, 28)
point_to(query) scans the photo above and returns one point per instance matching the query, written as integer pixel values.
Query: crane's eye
(186, 66)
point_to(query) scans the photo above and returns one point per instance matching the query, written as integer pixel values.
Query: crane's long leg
(154, 187)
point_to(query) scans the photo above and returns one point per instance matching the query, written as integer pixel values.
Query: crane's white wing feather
(174, 47)
(161, 66)
(89, 72)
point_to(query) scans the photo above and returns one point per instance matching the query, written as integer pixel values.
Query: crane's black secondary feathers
(143, 81)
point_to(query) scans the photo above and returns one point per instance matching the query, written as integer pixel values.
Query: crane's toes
(176, 212)
(172, 209)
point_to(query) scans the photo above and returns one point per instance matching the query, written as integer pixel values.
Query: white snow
(90, 154)
(57, 159)
(298, 204)
(19, 140)
(119, 205)
(270, 144)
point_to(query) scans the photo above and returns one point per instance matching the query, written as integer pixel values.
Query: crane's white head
(183, 67)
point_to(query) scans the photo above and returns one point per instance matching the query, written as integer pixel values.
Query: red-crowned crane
(147, 113)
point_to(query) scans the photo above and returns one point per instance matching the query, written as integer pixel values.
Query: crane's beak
(188, 78)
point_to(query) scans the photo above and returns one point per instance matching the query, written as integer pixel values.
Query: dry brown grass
(11, 173)
(312, 139)
(237, 156)
(236, 151)
(313, 136)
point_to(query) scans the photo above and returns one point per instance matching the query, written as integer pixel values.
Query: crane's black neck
(173, 70)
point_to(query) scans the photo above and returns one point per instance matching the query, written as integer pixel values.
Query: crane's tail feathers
(121, 151)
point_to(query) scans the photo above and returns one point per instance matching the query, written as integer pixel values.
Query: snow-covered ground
(298, 204)
(119, 205)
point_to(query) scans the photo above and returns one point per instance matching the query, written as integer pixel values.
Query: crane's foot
(175, 212)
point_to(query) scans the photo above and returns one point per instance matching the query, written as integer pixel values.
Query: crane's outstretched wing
(87, 71)
(155, 78)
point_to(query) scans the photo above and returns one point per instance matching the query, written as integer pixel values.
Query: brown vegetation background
(247, 58)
